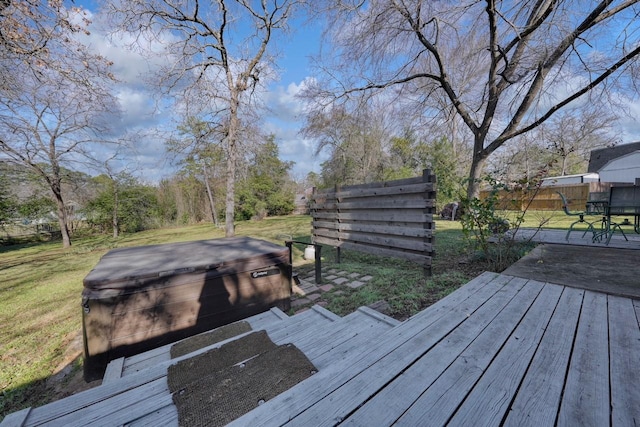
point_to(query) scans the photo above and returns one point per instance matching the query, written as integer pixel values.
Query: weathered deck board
(585, 399)
(16, 419)
(412, 383)
(120, 408)
(624, 348)
(168, 415)
(488, 402)
(427, 326)
(544, 381)
(349, 342)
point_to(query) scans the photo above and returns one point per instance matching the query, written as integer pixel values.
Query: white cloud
(140, 112)
(284, 120)
(138, 108)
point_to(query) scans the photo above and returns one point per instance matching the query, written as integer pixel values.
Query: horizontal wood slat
(393, 218)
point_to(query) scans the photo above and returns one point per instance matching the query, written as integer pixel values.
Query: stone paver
(314, 297)
(340, 280)
(308, 287)
(354, 275)
(300, 302)
(366, 278)
(326, 288)
(356, 284)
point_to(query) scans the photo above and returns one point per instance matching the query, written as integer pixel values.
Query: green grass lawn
(40, 287)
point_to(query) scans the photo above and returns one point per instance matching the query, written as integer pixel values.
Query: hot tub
(139, 298)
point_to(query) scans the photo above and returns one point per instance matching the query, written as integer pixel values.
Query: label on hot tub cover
(265, 273)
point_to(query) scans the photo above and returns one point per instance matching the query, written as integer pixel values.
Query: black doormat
(236, 351)
(206, 339)
(220, 397)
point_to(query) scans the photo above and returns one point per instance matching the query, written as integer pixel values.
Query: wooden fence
(547, 198)
(393, 218)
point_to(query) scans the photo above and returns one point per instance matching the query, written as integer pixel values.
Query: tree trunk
(475, 174)
(232, 155)
(214, 214)
(62, 217)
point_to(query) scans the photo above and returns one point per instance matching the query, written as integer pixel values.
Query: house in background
(612, 165)
(624, 169)
(619, 164)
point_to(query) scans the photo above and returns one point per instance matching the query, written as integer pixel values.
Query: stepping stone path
(307, 293)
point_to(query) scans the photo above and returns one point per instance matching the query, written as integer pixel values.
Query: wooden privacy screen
(393, 218)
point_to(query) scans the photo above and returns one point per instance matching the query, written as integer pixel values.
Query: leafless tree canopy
(55, 93)
(504, 67)
(216, 57)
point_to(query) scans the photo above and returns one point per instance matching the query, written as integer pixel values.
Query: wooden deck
(499, 351)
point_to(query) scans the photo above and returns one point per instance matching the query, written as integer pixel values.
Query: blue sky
(284, 120)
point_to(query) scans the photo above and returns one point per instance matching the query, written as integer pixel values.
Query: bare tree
(505, 67)
(219, 48)
(51, 125)
(55, 104)
(570, 137)
(197, 142)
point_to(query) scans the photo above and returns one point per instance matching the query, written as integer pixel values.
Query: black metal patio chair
(579, 214)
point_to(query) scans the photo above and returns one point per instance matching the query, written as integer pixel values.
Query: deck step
(274, 322)
(325, 346)
(121, 366)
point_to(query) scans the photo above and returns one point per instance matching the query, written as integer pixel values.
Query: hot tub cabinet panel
(140, 298)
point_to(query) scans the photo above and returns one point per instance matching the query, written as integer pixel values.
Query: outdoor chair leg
(581, 220)
(612, 229)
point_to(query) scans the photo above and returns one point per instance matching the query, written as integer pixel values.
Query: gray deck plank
(541, 390)
(114, 370)
(48, 413)
(16, 419)
(312, 320)
(165, 416)
(443, 316)
(471, 340)
(142, 408)
(335, 331)
(108, 412)
(585, 399)
(383, 317)
(441, 399)
(491, 396)
(351, 343)
(624, 350)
